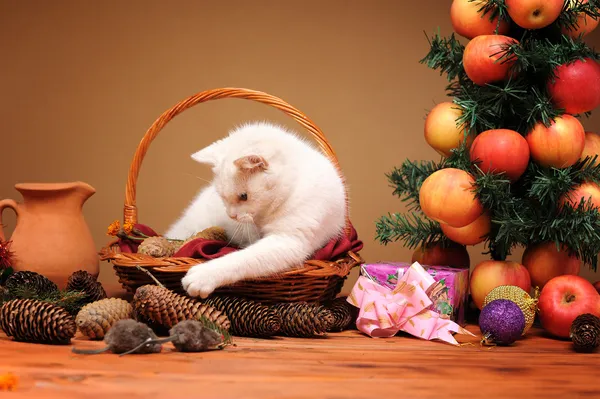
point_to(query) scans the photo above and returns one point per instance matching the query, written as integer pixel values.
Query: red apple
(442, 132)
(485, 60)
(534, 14)
(501, 150)
(576, 86)
(434, 254)
(447, 196)
(490, 274)
(471, 234)
(469, 22)
(559, 145)
(587, 191)
(597, 286)
(544, 262)
(591, 147)
(585, 23)
(563, 299)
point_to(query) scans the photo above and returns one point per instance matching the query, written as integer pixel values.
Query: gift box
(448, 294)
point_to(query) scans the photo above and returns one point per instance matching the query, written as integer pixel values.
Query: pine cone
(161, 307)
(585, 332)
(301, 319)
(157, 247)
(248, 318)
(343, 313)
(211, 233)
(26, 284)
(96, 318)
(85, 282)
(30, 320)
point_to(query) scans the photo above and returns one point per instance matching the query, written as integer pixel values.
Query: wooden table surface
(342, 365)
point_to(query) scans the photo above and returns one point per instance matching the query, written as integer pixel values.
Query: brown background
(80, 82)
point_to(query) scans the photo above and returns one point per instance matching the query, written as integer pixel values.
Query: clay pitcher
(51, 236)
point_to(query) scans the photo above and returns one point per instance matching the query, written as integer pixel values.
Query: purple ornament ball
(501, 322)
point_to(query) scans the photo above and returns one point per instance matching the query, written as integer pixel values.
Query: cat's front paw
(201, 281)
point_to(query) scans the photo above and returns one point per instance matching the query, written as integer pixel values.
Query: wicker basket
(315, 280)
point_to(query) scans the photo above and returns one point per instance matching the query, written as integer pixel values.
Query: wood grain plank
(344, 365)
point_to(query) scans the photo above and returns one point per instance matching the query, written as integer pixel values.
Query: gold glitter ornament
(526, 303)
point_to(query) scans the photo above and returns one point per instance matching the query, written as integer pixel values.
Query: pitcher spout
(85, 189)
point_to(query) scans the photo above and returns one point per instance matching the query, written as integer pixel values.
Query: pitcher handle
(7, 203)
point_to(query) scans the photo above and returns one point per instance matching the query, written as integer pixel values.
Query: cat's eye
(243, 196)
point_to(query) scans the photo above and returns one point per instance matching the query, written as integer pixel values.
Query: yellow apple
(468, 22)
(534, 14)
(471, 234)
(490, 274)
(447, 196)
(586, 191)
(560, 145)
(544, 262)
(592, 146)
(442, 131)
(485, 59)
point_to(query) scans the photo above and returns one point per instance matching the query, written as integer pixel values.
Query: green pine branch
(407, 180)
(518, 103)
(522, 214)
(445, 55)
(571, 11)
(540, 55)
(211, 325)
(497, 196)
(413, 229)
(67, 299)
(578, 228)
(547, 185)
(494, 191)
(493, 9)
(538, 108)
(459, 158)
(496, 106)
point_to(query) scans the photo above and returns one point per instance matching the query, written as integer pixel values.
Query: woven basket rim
(310, 269)
(341, 266)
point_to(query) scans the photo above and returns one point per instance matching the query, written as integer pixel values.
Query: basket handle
(130, 213)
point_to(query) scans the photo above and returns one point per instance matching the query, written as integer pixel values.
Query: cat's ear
(251, 163)
(208, 155)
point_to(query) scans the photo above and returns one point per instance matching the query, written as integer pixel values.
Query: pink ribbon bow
(384, 312)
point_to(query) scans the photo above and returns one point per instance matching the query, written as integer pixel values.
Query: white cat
(278, 198)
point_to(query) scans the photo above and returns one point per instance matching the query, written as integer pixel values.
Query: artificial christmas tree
(524, 172)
